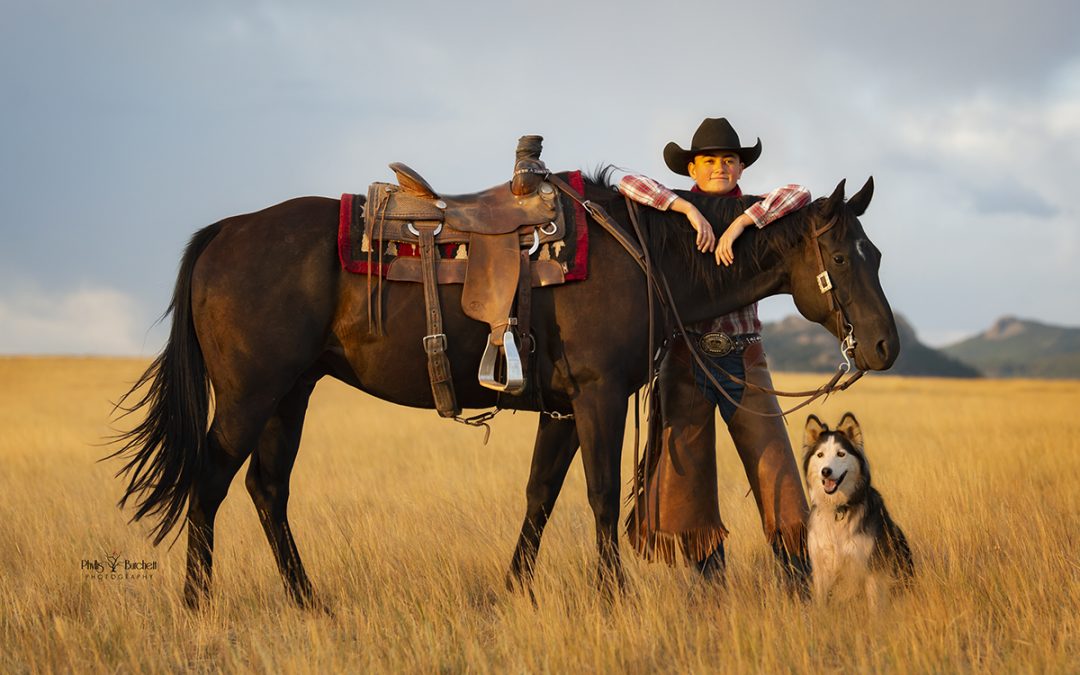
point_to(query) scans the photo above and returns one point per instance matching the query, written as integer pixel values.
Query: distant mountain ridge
(796, 344)
(1015, 347)
(1011, 347)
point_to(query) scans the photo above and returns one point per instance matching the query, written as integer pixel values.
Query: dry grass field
(406, 523)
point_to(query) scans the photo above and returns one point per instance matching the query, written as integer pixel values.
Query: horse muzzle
(879, 354)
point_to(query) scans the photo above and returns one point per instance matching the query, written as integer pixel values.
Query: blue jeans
(732, 363)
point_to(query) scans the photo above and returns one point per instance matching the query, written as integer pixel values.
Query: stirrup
(515, 379)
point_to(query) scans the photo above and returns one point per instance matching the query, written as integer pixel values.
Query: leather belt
(722, 344)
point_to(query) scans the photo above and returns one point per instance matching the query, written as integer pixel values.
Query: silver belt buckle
(716, 344)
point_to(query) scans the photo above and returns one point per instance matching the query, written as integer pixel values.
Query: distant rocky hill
(1015, 347)
(798, 345)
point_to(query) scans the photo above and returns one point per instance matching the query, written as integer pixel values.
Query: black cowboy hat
(714, 135)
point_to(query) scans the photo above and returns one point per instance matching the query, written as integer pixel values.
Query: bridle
(658, 284)
(844, 327)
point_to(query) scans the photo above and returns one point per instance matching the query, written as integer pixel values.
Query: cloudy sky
(127, 125)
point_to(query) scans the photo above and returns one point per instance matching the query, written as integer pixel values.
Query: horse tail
(166, 451)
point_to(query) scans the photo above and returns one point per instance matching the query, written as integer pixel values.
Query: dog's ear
(849, 426)
(813, 431)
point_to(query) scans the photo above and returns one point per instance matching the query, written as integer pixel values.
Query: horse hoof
(516, 583)
(195, 600)
(313, 604)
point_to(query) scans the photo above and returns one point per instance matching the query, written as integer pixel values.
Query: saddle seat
(502, 230)
(493, 211)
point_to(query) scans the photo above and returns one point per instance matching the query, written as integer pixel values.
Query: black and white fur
(853, 543)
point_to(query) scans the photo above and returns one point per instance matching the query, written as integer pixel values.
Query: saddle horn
(529, 171)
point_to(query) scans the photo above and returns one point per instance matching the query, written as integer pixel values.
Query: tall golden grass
(406, 524)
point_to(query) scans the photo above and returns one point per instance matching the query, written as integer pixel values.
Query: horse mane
(756, 249)
(668, 231)
(600, 176)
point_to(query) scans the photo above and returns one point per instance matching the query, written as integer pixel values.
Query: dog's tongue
(830, 484)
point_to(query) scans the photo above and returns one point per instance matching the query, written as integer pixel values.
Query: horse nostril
(882, 348)
(826, 472)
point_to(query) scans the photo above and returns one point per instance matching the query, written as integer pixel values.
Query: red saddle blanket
(572, 252)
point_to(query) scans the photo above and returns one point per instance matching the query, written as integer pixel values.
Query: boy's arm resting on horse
(645, 190)
(776, 204)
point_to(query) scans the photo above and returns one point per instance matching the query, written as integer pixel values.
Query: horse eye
(838, 259)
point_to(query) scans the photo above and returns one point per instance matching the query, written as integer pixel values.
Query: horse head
(835, 282)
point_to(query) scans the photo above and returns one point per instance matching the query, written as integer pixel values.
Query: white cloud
(1004, 141)
(87, 320)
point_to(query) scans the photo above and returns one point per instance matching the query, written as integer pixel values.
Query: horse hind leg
(229, 442)
(556, 445)
(268, 484)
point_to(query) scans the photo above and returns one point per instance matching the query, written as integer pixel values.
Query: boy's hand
(706, 238)
(725, 254)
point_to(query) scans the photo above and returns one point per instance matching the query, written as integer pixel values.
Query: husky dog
(851, 539)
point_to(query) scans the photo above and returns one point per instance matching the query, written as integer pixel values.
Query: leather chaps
(680, 509)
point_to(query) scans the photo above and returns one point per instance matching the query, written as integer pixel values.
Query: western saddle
(502, 227)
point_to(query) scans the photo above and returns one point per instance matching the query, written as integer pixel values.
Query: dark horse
(262, 310)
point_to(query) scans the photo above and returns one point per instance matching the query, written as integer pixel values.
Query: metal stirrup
(515, 379)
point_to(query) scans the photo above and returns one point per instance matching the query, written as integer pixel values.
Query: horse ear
(861, 199)
(832, 204)
(813, 431)
(849, 426)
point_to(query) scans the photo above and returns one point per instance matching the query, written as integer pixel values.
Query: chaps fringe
(650, 543)
(694, 545)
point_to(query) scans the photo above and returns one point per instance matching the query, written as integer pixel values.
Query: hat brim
(678, 159)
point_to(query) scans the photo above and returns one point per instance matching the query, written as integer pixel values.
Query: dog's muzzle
(829, 484)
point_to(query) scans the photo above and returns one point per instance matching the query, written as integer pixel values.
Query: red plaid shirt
(776, 204)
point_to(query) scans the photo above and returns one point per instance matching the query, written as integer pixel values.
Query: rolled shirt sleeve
(645, 190)
(778, 203)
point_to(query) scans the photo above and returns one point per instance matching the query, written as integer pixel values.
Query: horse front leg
(556, 445)
(601, 419)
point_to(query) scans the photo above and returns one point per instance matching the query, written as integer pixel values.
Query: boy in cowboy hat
(680, 501)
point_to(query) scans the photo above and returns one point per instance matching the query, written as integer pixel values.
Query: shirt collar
(735, 192)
